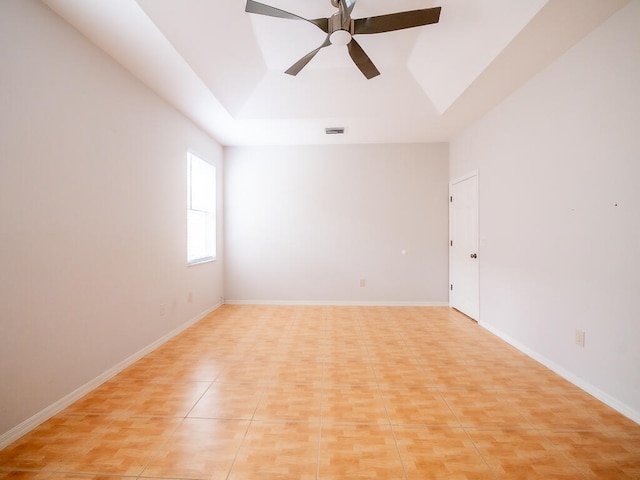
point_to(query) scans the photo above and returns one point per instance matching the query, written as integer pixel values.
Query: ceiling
(223, 68)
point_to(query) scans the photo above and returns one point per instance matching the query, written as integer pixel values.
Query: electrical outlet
(363, 282)
(163, 309)
(580, 338)
(190, 297)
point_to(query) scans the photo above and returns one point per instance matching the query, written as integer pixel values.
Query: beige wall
(306, 224)
(92, 213)
(559, 166)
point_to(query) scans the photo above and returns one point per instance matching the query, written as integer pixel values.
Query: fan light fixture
(340, 37)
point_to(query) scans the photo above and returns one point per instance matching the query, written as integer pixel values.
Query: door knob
(474, 255)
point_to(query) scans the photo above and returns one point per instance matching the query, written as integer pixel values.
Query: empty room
(332, 239)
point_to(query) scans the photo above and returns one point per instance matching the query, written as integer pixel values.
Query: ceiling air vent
(334, 131)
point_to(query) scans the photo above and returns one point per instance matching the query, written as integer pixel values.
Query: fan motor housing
(336, 23)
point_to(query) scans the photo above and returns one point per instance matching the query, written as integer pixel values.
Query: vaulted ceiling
(223, 68)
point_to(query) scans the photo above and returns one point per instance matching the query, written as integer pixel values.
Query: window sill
(200, 261)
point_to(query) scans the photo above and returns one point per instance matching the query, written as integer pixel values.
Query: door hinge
(451, 199)
(452, 287)
(452, 243)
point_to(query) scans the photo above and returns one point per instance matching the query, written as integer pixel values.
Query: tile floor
(261, 392)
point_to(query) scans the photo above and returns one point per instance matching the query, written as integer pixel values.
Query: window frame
(206, 212)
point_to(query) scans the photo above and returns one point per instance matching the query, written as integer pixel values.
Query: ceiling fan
(340, 29)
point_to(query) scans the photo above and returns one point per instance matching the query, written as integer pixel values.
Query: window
(201, 210)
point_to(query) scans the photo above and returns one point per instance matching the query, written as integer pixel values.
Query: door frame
(467, 176)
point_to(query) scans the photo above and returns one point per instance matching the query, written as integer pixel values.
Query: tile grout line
(318, 456)
(386, 410)
(246, 432)
(92, 441)
(443, 397)
(546, 433)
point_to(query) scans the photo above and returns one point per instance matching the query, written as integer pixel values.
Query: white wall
(92, 213)
(559, 170)
(305, 224)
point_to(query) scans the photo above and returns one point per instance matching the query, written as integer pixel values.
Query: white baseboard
(604, 397)
(55, 408)
(336, 303)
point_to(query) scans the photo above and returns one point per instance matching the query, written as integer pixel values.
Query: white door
(464, 288)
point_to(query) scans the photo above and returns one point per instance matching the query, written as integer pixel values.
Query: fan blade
(300, 64)
(362, 60)
(397, 21)
(269, 11)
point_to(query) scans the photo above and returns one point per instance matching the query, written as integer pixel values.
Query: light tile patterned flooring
(263, 392)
